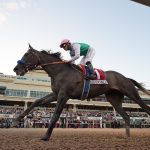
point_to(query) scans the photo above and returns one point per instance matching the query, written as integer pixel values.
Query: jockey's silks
(83, 49)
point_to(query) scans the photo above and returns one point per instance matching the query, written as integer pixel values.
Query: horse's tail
(139, 85)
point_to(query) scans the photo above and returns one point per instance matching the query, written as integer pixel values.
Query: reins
(58, 62)
(53, 63)
(38, 67)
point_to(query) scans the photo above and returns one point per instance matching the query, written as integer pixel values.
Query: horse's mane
(56, 54)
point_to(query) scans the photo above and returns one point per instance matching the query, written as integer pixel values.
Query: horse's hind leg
(115, 98)
(133, 95)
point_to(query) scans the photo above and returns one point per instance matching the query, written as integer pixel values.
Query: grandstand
(21, 91)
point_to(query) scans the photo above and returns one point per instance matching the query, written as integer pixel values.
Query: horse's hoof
(45, 138)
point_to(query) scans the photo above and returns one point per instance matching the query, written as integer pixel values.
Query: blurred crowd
(40, 118)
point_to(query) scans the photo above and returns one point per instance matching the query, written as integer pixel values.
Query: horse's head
(29, 61)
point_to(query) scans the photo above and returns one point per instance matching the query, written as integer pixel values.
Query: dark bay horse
(67, 82)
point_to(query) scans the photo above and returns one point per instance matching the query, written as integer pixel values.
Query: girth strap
(86, 87)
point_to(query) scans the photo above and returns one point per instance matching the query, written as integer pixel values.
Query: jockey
(80, 49)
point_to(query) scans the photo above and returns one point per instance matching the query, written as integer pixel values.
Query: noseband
(29, 66)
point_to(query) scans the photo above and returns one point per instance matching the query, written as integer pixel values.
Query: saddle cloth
(101, 79)
(99, 73)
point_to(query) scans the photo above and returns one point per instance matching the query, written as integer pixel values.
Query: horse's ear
(30, 46)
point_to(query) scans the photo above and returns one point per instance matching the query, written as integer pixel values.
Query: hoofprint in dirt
(74, 139)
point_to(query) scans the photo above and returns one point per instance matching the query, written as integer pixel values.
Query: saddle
(100, 74)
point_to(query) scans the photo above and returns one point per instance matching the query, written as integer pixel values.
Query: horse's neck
(53, 69)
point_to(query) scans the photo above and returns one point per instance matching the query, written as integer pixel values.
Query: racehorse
(67, 83)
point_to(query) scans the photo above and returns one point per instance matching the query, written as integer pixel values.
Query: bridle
(29, 66)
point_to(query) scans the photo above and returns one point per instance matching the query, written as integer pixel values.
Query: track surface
(74, 139)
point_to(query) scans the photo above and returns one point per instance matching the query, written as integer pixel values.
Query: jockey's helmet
(65, 41)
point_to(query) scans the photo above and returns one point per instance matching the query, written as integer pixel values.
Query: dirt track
(74, 139)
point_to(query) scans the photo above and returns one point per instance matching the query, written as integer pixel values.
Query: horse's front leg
(47, 99)
(61, 101)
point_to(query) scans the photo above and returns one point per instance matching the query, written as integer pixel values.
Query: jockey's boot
(90, 66)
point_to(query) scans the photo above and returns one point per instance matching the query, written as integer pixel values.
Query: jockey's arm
(76, 49)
